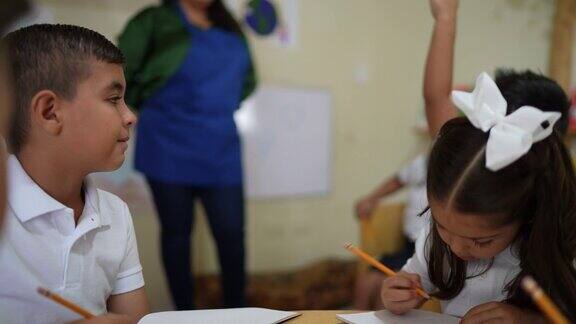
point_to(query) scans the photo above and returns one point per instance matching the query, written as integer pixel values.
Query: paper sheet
(385, 317)
(220, 316)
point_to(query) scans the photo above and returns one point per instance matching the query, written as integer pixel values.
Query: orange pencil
(543, 301)
(66, 303)
(387, 271)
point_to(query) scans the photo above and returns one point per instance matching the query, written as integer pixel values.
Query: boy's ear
(47, 112)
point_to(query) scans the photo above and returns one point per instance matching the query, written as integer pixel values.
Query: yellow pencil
(387, 271)
(543, 301)
(64, 302)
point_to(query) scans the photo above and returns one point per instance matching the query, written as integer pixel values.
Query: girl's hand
(365, 207)
(444, 9)
(495, 312)
(398, 293)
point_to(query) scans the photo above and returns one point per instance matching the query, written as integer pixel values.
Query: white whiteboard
(286, 141)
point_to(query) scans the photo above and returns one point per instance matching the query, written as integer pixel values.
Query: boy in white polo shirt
(61, 233)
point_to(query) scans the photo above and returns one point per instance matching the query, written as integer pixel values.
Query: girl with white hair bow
(502, 196)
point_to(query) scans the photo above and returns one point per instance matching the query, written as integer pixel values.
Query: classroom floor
(326, 284)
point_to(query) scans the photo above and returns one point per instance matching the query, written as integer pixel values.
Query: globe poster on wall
(261, 17)
(274, 22)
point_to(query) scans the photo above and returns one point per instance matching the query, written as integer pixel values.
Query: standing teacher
(188, 69)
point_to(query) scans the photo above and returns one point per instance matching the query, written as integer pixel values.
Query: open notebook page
(385, 317)
(220, 316)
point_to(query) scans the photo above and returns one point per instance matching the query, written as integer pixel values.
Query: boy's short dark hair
(51, 57)
(526, 88)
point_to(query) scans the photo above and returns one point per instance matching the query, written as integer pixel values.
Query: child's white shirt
(481, 289)
(414, 177)
(42, 246)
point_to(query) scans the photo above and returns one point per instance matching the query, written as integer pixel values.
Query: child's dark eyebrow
(115, 86)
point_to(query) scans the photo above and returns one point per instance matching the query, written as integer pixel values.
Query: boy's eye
(115, 100)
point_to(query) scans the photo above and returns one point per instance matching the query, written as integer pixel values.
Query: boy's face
(5, 116)
(97, 121)
(5, 95)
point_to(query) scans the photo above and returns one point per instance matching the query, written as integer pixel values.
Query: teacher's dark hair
(219, 15)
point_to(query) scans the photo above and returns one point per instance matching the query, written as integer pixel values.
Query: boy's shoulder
(112, 207)
(110, 198)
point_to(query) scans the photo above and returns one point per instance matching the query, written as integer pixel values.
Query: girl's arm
(366, 205)
(440, 65)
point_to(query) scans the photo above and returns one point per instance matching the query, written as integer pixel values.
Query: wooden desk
(329, 316)
(319, 317)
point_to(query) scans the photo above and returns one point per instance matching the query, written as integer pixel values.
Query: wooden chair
(381, 234)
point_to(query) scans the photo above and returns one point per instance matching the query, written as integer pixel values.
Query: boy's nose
(130, 118)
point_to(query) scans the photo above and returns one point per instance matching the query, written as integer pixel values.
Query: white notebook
(385, 317)
(220, 316)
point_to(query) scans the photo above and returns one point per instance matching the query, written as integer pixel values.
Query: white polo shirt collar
(28, 201)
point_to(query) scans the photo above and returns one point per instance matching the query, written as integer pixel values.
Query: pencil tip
(347, 245)
(528, 283)
(43, 291)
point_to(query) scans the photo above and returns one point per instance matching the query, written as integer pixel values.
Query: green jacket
(155, 43)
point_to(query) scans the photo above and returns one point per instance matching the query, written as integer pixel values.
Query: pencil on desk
(387, 271)
(66, 303)
(543, 301)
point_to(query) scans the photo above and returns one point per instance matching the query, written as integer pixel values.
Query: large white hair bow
(510, 136)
